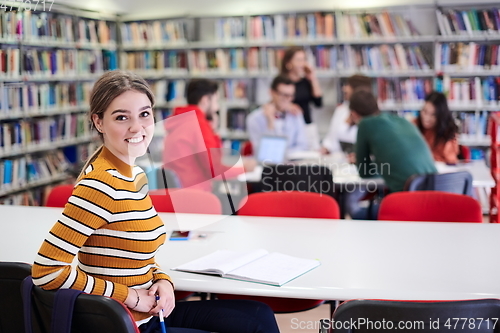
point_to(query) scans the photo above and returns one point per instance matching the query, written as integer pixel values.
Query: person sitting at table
(342, 128)
(275, 118)
(110, 223)
(387, 145)
(192, 149)
(438, 127)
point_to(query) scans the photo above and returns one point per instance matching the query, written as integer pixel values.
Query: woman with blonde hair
(110, 223)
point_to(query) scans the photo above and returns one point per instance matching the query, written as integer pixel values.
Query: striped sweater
(109, 221)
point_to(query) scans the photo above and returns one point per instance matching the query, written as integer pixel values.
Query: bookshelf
(49, 59)
(407, 49)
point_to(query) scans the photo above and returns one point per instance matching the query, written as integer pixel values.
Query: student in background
(110, 224)
(397, 146)
(192, 149)
(275, 117)
(436, 123)
(307, 89)
(342, 128)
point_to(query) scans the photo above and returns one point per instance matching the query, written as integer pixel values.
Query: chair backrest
(166, 178)
(433, 206)
(59, 195)
(290, 204)
(419, 316)
(464, 153)
(303, 178)
(12, 275)
(247, 149)
(185, 201)
(92, 313)
(453, 182)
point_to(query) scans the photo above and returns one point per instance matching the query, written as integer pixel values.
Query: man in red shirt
(191, 148)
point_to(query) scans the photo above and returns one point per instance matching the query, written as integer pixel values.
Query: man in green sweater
(387, 145)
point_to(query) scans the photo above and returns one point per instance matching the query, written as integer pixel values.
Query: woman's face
(127, 125)
(298, 63)
(428, 116)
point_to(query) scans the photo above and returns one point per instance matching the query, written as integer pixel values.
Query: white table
(360, 259)
(347, 174)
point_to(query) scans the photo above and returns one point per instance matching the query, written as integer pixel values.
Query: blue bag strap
(62, 313)
(27, 288)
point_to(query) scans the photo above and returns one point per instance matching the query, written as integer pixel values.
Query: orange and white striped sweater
(110, 222)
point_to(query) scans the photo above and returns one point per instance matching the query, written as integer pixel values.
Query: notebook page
(221, 261)
(275, 268)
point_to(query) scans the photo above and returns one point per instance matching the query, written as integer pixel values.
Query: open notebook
(254, 266)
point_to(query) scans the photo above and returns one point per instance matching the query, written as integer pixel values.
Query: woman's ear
(97, 123)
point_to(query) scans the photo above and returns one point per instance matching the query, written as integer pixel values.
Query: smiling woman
(110, 223)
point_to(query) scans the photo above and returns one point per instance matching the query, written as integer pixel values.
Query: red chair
(59, 196)
(247, 149)
(465, 153)
(432, 206)
(287, 204)
(290, 204)
(186, 201)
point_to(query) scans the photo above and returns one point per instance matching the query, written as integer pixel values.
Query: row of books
(473, 125)
(33, 197)
(153, 32)
(40, 63)
(470, 91)
(236, 119)
(468, 22)
(394, 91)
(379, 25)
(314, 26)
(42, 98)
(375, 58)
(18, 135)
(285, 27)
(218, 60)
(19, 172)
(39, 26)
(169, 91)
(235, 89)
(154, 60)
(466, 56)
(173, 91)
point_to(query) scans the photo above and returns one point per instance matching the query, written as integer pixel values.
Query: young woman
(110, 223)
(307, 88)
(436, 123)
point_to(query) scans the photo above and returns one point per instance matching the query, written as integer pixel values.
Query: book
(254, 266)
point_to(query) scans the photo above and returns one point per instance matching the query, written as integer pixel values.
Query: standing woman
(307, 88)
(436, 124)
(110, 223)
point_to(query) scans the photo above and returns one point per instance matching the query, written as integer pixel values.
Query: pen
(162, 322)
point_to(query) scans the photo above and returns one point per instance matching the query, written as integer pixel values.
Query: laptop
(272, 149)
(347, 147)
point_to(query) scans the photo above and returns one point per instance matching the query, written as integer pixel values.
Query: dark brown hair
(363, 103)
(198, 88)
(359, 81)
(287, 57)
(280, 79)
(445, 129)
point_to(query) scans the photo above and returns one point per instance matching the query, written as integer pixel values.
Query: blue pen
(162, 323)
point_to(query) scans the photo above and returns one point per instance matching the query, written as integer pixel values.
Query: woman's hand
(146, 301)
(164, 289)
(310, 72)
